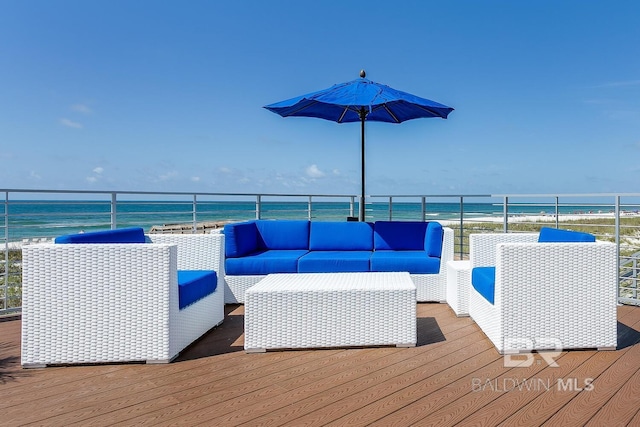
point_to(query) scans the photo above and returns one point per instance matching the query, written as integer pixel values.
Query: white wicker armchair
(547, 295)
(98, 303)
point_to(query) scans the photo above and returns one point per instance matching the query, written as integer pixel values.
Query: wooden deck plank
(432, 384)
(343, 397)
(336, 377)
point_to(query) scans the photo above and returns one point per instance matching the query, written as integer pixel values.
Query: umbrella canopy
(361, 100)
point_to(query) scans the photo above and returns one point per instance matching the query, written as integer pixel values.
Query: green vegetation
(12, 277)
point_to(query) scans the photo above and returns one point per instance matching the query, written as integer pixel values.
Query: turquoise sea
(29, 219)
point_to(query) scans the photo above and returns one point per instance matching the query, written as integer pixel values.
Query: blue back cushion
(433, 239)
(483, 280)
(341, 236)
(194, 285)
(240, 239)
(548, 234)
(119, 235)
(401, 235)
(283, 234)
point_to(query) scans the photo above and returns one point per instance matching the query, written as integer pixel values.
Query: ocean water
(33, 219)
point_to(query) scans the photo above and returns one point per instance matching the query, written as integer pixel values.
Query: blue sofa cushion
(194, 285)
(283, 234)
(341, 236)
(483, 279)
(119, 235)
(548, 234)
(240, 239)
(415, 262)
(334, 262)
(399, 235)
(433, 239)
(267, 262)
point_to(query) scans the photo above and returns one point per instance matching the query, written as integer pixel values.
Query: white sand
(540, 218)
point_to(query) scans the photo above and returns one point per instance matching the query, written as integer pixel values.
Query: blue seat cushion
(483, 279)
(118, 235)
(266, 262)
(334, 261)
(548, 234)
(415, 262)
(341, 236)
(193, 285)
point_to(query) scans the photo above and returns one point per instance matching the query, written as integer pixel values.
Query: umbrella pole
(362, 117)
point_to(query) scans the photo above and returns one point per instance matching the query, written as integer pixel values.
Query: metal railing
(39, 215)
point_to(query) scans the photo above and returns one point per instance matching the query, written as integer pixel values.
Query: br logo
(523, 356)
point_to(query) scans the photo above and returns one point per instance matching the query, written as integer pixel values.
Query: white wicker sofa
(549, 295)
(257, 248)
(116, 302)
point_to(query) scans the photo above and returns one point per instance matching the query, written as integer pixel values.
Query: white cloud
(195, 178)
(167, 176)
(314, 172)
(92, 179)
(98, 170)
(81, 108)
(71, 124)
(224, 170)
(621, 83)
(34, 175)
(336, 172)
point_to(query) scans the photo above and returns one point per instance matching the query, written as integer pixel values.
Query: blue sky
(168, 95)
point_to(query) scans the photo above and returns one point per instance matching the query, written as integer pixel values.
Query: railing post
(194, 214)
(557, 212)
(461, 226)
(505, 212)
(5, 281)
(423, 208)
(617, 231)
(352, 205)
(309, 207)
(114, 210)
(258, 206)
(390, 208)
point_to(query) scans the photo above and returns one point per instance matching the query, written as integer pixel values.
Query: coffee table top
(334, 282)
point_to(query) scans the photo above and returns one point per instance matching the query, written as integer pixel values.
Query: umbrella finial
(363, 74)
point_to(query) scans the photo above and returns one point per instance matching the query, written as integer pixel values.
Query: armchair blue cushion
(118, 235)
(193, 285)
(483, 279)
(548, 234)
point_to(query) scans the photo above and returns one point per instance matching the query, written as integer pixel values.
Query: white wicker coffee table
(318, 310)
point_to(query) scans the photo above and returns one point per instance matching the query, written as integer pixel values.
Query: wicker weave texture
(458, 283)
(551, 295)
(330, 310)
(430, 287)
(94, 303)
(482, 247)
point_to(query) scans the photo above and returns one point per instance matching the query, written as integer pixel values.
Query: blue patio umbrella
(361, 100)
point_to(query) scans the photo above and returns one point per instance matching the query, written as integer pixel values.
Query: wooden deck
(454, 376)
